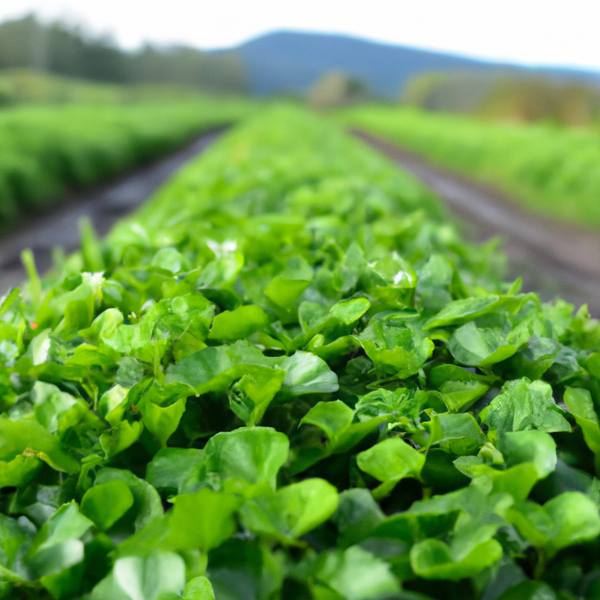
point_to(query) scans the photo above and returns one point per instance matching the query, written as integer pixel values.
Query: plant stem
(540, 567)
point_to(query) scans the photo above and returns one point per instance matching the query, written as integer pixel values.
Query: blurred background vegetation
(55, 48)
(69, 94)
(56, 62)
(505, 97)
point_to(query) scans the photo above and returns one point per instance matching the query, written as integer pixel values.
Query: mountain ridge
(289, 61)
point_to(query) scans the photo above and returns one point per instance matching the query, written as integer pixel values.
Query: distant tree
(504, 95)
(338, 89)
(187, 66)
(520, 99)
(64, 50)
(20, 43)
(460, 92)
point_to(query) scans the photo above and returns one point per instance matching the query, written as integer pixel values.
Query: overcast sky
(524, 31)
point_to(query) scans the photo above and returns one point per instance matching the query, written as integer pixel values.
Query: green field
(46, 150)
(23, 86)
(288, 377)
(546, 168)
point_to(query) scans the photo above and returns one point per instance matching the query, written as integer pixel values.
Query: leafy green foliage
(290, 378)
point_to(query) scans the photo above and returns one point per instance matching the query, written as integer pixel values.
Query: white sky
(551, 32)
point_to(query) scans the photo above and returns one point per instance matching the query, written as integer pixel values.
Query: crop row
(46, 150)
(552, 170)
(288, 377)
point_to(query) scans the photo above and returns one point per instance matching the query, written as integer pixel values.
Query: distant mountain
(289, 61)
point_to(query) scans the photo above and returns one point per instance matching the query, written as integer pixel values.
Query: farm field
(551, 170)
(288, 376)
(25, 86)
(30, 87)
(49, 149)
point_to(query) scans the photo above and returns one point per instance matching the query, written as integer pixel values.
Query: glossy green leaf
(175, 469)
(252, 454)
(579, 402)
(306, 373)
(349, 311)
(19, 471)
(287, 286)
(517, 481)
(357, 516)
(331, 417)
(432, 559)
(569, 518)
(523, 405)
(389, 462)
(147, 506)
(199, 588)
(460, 388)
(121, 437)
(459, 433)
(238, 324)
(402, 406)
(537, 447)
(202, 520)
(251, 395)
(50, 404)
(399, 351)
(32, 440)
(66, 525)
(162, 421)
(215, 368)
(356, 575)
(292, 511)
(106, 503)
(473, 346)
(467, 309)
(157, 577)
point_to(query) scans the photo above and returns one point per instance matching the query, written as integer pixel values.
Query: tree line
(64, 50)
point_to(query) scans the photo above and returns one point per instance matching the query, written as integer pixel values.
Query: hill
(291, 61)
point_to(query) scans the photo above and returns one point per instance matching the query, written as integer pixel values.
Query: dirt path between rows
(103, 206)
(554, 259)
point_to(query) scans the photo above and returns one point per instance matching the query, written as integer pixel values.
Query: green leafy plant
(287, 376)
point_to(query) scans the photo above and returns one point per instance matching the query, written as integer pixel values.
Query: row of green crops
(288, 378)
(24, 86)
(548, 169)
(45, 150)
